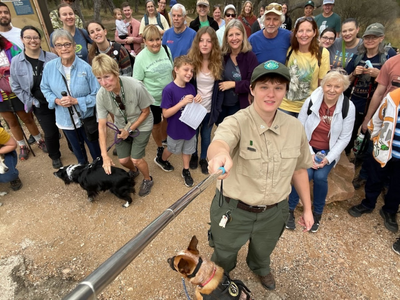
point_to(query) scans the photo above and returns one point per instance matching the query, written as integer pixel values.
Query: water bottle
(319, 157)
(358, 143)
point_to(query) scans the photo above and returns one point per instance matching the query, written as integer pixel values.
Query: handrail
(100, 278)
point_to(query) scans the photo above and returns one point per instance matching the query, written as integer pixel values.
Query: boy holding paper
(181, 137)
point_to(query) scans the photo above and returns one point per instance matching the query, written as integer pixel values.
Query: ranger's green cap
(270, 67)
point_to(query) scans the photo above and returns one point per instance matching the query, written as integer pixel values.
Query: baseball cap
(270, 67)
(172, 3)
(203, 2)
(328, 2)
(311, 3)
(273, 8)
(229, 6)
(376, 29)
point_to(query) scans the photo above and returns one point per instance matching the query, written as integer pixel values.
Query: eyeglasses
(65, 45)
(277, 7)
(371, 37)
(119, 101)
(331, 39)
(28, 38)
(230, 15)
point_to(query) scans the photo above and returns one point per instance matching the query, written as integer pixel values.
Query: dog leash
(185, 289)
(116, 130)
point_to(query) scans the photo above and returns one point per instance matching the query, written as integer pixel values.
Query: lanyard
(123, 112)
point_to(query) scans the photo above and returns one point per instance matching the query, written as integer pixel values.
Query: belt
(254, 209)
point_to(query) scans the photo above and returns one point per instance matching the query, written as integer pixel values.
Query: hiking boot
(134, 174)
(163, 164)
(194, 162)
(290, 223)
(164, 143)
(31, 140)
(317, 219)
(268, 281)
(357, 210)
(145, 187)
(358, 182)
(24, 153)
(204, 166)
(16, 184)
(57, 163)
(187, 177)
(42, 146)
(160, 151)
(389, 220)
(115, 152)
(396, 246)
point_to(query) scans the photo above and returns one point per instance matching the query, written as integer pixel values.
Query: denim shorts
(181, 146)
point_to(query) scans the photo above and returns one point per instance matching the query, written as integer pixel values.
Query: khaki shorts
(134, 147)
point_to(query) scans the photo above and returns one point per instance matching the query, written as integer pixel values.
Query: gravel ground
(52, 238)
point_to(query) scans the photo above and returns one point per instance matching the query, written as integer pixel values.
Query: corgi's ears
(193, 245)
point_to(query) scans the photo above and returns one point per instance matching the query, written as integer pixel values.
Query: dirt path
(52, 238)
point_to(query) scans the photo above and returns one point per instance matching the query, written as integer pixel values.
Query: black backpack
(117, 47)
(345, 107)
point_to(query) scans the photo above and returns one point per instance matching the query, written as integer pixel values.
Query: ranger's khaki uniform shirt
(264, 158)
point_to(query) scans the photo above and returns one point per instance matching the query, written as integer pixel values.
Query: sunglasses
(230, 15)
(303, 19)
(119, 101)
(277, 7)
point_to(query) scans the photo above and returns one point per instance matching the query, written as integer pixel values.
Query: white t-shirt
(14, 36)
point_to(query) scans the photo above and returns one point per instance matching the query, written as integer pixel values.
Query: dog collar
(196, 269)
(209, 279)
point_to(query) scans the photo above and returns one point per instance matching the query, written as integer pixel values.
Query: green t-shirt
(332, 21)
(203, 24)
(155, 70)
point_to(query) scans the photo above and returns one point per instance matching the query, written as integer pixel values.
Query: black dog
(93, 180)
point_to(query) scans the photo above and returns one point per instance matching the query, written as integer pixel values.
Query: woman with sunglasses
(81, 37)
(247, 16)
(129, 101)
(152, 16)
(239, 63)
(26, 74)
(70, 88)
(328, 128)
(308, 64)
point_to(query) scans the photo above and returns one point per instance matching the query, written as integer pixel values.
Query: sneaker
(145, 187)
(24, 153)
(290, 223)
(115, 152)
(160, 151)
(396, 246)
(268, 281)
(163, 164)
(42, 146)
(389, 220)
(357, 210)
(134, 174)
(57, 163)
(187, 177)
(16, 184)
(164, 143)
(358, 182)
(317, 219)
(204, 166)
(31, 140)
(194, 161)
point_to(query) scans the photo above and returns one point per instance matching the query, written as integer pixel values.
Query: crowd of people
(280, 93)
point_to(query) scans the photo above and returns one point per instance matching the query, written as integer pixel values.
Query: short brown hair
(181, 61)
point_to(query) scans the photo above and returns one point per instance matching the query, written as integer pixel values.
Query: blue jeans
(205, 133)
(94, 147)
(10, 159)
(320, 189)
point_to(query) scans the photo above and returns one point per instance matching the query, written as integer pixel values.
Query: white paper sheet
(193, 114)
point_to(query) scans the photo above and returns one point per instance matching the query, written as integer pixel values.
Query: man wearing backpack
(134, 40)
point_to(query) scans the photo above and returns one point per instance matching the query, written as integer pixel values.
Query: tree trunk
(110, 5)
(77, 8)
(96, 10)
(136, 6)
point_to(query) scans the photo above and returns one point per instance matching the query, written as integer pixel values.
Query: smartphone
(368, 64)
